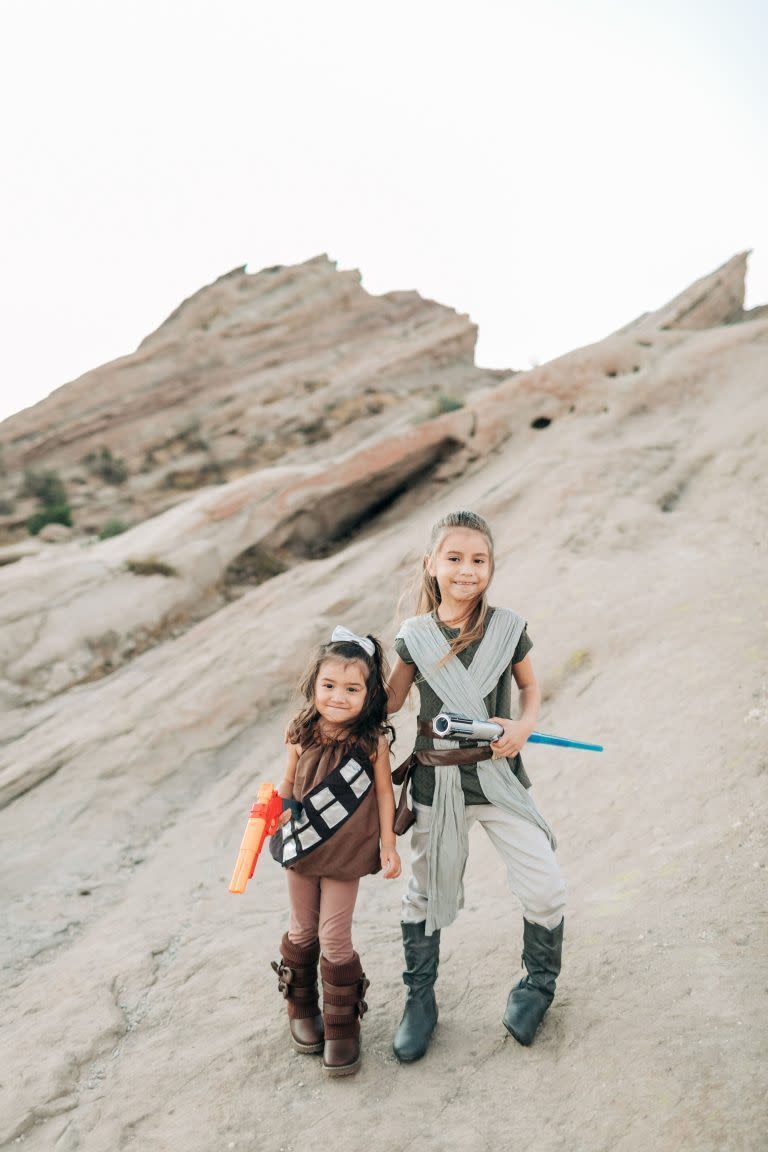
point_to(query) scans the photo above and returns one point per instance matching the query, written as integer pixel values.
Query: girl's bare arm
(530, 693)
(285, 787)
(399, 684)
(385, 799)
(516, 732)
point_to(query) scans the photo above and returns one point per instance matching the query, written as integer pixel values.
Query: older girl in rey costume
(463, 655)
(339, 780)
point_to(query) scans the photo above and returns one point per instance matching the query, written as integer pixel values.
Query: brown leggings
(322, 908)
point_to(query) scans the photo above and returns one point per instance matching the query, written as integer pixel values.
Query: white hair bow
(342, 633)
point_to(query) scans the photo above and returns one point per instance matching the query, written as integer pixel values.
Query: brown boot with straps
(297, 980)
(344, 986)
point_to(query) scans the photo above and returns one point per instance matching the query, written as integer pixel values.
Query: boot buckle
(362, 987)
(284, 978)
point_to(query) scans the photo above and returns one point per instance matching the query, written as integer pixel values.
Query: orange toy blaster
(263, 821)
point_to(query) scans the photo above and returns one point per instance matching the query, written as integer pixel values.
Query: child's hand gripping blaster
(263, 821)
(449, 724)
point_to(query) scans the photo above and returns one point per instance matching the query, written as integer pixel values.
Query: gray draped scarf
(463, 690)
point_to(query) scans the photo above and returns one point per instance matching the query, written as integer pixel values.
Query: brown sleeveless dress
(353, 850)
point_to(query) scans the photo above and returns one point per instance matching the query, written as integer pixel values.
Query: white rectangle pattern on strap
(322, 798)
(361, 785)
(334, 815)
(308, 838)
(350, 770)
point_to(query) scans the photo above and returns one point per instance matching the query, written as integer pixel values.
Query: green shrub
(6, 507)
(111, 469)
(193, 439)
(445, 404)
(47, 487)
(151, 567)
(113, 528)
(52, 514)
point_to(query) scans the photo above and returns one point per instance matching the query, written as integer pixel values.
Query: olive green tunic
(498, 703)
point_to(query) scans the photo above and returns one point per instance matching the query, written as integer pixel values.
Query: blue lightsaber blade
(561, 742)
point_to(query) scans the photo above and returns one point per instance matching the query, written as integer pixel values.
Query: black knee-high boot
(530, 999)
(422, 954)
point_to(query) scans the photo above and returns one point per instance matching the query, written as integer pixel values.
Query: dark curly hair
(371, 724)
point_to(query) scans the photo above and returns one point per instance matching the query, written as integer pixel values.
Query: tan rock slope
(293, 364)
(74, 614)
(626, 484)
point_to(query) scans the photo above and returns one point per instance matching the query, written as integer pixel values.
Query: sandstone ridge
(289, 365)
(146, 682)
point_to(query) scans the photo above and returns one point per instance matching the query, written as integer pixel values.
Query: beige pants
(532, 869)
(322, 908)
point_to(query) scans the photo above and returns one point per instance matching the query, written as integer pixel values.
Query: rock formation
(292, 365)
(147, 679)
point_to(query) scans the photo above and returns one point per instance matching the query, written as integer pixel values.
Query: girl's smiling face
(461, 564)
(340, 690)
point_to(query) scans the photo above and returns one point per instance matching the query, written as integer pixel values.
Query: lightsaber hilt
(450, 725)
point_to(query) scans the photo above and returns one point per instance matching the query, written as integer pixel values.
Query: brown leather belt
(404, 817)
(424, 728)
(436, 756)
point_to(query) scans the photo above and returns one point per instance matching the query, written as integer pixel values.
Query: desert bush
(114, 527)
(150, 460)
(445, 404)
(47, 487)
(51, 514)
(193, 439)
(151, 567)
(111, 469)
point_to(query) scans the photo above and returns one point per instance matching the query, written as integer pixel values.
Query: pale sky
(553, 168)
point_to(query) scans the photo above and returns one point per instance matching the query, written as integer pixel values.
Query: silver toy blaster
(449, 725)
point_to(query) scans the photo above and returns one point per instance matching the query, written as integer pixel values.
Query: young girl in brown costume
(467, 655)
(339, 779)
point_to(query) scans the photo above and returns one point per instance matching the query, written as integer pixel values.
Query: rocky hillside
(146, 681)
(291, 365)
